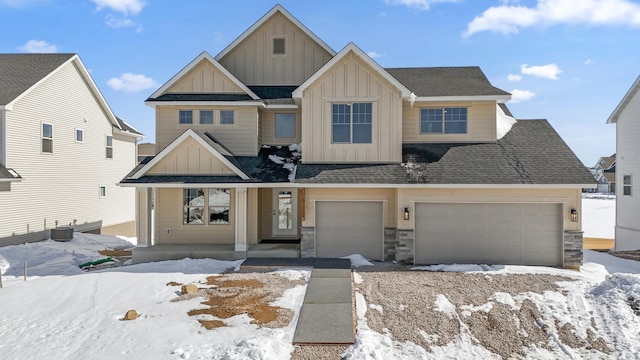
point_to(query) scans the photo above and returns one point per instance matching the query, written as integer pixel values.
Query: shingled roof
(520, 157)
(8, 174)
(19, 72)
(446, 81)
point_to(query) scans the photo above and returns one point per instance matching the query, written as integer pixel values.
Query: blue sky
(568, 61)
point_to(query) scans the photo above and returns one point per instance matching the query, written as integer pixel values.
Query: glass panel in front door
(285, 210)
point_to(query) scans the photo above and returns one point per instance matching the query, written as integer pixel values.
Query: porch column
(143, 216)
(241, 219)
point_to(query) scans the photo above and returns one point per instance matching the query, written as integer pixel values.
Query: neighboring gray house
(604, 171)
(626, 116)
(62, 151)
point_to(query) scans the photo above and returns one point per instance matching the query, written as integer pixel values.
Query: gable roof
(9, 175)
(607, 161)
(520, 158)
(125, 127)
(458, 82)
(265, 18)
(351, 47)
(205, 140)
(613, 118)
(204, 56)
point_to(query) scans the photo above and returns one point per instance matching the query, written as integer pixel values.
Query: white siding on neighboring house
(3, 150)
(64, 185)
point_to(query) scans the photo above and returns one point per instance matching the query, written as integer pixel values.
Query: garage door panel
(489, 233)
(345, 228)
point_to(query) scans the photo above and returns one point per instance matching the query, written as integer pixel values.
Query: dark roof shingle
(201, 97)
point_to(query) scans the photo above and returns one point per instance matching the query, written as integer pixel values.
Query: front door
(285, 212)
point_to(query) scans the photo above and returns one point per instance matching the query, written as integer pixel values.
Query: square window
(219, 200)
(47, 138)
(185, 117)
(352, 123)
(109, 147)
(226, 117)
(206, 117)
(278, 46)
(193, 206)
(285, 125)
(626, 185)
(79, 135)
(102, 191)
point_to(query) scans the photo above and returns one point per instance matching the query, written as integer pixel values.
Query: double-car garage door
(528, 234)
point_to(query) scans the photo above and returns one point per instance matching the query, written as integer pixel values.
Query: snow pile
(289, 163)
(358, 260)
(504, 123)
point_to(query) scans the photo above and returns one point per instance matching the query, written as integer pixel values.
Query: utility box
(64, 233)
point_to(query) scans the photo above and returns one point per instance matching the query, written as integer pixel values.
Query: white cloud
(589, 61)
(521, 95)
(507, 18)
(129, 82)
(420, 4)
(118, 23)
(514, 77)
(373, 54)
(127, 7)
(38, 46)
(549, 71)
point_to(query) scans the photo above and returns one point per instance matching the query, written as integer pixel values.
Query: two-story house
(604, 171)
(281, 138)
(626, 116)
(62, 151)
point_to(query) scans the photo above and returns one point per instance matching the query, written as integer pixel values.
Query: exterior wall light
(574, 215)
(406, 213)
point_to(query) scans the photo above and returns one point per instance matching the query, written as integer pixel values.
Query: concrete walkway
(326, 316)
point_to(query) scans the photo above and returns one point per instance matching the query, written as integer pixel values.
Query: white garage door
(526, 234)
(345, 228)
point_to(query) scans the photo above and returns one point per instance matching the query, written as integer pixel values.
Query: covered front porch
(163, 252)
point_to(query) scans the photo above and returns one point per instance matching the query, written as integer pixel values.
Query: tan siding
(168, 212)
(351, 81)
(190, 157)
(64, 185)
(481, 122)
(268, 128)
(266, 207)
(387, 196)
(241, 138)
(253, 62)
(205, 78)
(252, 217)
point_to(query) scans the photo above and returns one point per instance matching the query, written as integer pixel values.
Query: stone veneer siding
(404, 246)
(573, 253)
(389, 244)
(308, 242)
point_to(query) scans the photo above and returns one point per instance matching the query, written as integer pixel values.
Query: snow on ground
(599, 215)
(358, 260)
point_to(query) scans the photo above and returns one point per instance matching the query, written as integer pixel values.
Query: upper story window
(278, 46)
(626, 185)
(185, 117)
(47, 138)
(448, 120)
(206, 117)
(79, 135)
(285, 125)
(351, 123)
(109, 147)
(226, 117)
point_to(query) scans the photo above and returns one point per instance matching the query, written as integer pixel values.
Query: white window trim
(630, 185)
(100, 188)
(350, 103)
(106, 146)
(43, 138)
(443, 121)
(75, 135)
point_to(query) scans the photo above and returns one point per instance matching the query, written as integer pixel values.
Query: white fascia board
(204, 103)
(497, 98)
(613, 118)
(368, 186)
(195, 62)
(7, 107)
(284, 107)
(351, 47)
(175, 143)
(126, 133)
(264, 19)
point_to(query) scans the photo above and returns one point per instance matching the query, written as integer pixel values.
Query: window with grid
(185, 117)
(109, 147)
(448, 120)
(226, 117)
(206, 117)
(626, 185)
(351, 123)
(193, 206)
(47, 138)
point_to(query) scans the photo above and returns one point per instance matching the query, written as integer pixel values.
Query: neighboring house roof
(19, 72)
(613, 118)
(9, 175)
(126, 127)
(275, 95)
(456, 82)
(265, 18)
(610, 176)
(520, 157)
(607, 161)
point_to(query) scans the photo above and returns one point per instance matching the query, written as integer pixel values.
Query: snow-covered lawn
(599, 215)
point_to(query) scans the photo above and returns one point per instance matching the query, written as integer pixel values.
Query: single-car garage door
(525, 234)
(344, 228)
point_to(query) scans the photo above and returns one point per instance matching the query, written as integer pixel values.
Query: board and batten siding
(351, 81)
(241, 137)
(190, 157)
(268, 128)
(252, 61)
(481, 122)
(64, 185)
(628, 163)
(205, 78)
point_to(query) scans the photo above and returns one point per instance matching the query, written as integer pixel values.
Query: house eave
(369, 186)
(496, 98)
(153, 103)
(275, 106)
